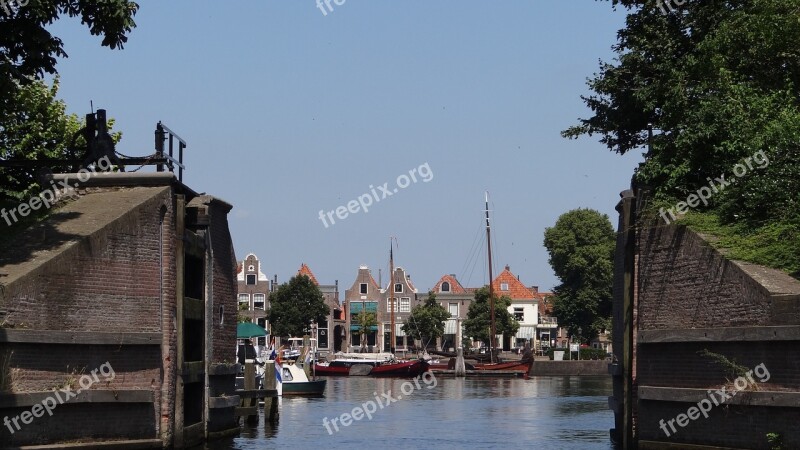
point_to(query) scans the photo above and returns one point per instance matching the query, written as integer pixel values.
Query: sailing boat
(521, 367)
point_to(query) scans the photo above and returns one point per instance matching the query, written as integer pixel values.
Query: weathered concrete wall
(557, 368)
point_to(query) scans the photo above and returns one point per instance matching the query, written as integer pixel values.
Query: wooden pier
(250, 396)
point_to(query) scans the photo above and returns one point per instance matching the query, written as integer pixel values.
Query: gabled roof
(455, 286)
(404, 276)
(305, 270)
(516, 290)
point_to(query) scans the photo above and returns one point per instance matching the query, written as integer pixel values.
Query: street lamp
(580, 331)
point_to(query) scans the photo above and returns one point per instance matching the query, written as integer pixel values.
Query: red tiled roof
(516, 290)
(239, 267)
(305, 270)
(455, 286)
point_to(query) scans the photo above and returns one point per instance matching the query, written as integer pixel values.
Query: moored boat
(296, 382)
(380, 368)
(522, 366)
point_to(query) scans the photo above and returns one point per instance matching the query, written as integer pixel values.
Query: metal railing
(163, 133)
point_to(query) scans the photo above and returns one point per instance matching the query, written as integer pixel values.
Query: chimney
(508, 268)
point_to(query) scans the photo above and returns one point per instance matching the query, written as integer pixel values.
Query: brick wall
(107, 281)
(690, 291)
(685, 283)
(225, 286)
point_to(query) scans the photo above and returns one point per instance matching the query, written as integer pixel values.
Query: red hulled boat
(341, 367)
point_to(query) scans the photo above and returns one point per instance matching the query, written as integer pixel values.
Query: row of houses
(530, 307)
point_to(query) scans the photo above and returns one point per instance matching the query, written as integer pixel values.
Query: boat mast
(391, 293)
(491, 289)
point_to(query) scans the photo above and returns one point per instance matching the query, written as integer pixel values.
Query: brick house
(401, 293)
(364, 294)
(456, 300)
(253, 289)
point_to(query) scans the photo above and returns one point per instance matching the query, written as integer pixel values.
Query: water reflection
(560, 412)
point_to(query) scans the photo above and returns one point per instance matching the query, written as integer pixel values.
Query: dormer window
(398, 288)
(445, 287)
(503, 286)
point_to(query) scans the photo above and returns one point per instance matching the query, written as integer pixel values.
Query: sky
(413, 109)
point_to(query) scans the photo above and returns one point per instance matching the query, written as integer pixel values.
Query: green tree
(581, 247)
(715, 82)
(28, 50)
(426, 322)
(242, 314)
(294, 305)
(478, 322)
(366, 323)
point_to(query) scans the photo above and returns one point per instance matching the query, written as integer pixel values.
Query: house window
(251, 268)
(445, 287)
(519, 313)
(398, 288)
(389, 303)
(503, 286)
(363, 288)
(259, 300)
(244, 299)
(251, 279)
(453, 308)
(405, 304)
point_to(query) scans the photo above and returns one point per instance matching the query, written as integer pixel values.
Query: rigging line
(479, 256)
(495, 244)
(472, 251)
(475, 253)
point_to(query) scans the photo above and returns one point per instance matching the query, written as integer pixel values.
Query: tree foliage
(716, 82)
(581, 246)
(366, 322)
(478, 322)
(426, 321)
(28, 50)
(294, 305)
(37, 126)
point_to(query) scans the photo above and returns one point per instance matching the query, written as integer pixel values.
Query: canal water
(441, 413)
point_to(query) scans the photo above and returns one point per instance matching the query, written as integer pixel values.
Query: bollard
(271, 402)
(461, 369)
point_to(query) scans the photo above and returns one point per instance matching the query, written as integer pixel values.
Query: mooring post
(250, 385)
(461, 368)
(270, 402)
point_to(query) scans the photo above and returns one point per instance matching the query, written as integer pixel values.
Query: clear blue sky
(288, 112)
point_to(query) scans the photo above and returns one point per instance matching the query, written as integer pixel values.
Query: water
(441, 413)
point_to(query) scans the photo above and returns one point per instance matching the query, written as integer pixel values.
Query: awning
(450, 326)
(358, 328)
(357, 307)
(526, 332)
(246, 330)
